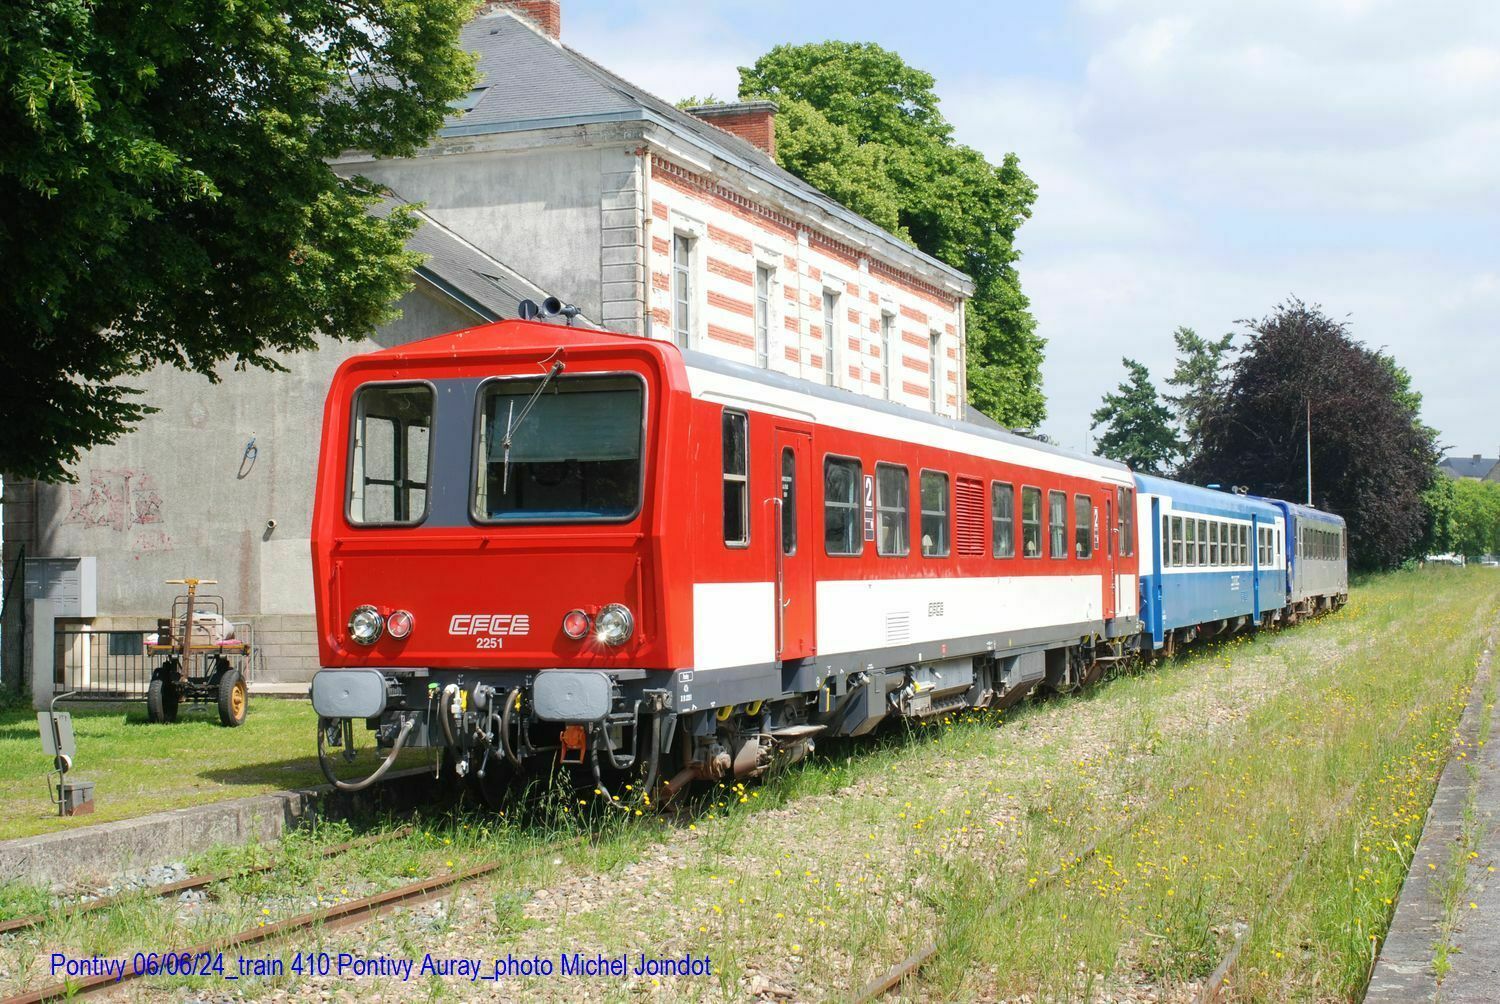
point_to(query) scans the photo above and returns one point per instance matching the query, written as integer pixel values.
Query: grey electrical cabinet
(72, 584)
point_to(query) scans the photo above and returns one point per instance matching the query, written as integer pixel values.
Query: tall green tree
(1372, 457)
(166, 197)
(1199, 377)
(863, 126)
(1137, 426)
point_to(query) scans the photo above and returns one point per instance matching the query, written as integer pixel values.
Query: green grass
(139, 768)
(1204, 782)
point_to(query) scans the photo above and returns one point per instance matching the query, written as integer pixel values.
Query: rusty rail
(340, 915)
(183, 885)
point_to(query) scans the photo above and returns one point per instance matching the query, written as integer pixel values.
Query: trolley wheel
(234, 698)
(161, 701)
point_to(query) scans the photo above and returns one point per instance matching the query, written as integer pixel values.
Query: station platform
(1469, 924)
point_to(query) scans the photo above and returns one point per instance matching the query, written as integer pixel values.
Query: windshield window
(577, 454)
(389, 460)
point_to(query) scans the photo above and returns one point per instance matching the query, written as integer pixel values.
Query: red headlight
(576, 624)
(399, 624)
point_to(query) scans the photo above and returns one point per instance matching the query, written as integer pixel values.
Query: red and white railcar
(533, 541)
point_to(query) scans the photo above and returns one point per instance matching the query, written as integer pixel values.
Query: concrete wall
(178, 497)
(541, 211)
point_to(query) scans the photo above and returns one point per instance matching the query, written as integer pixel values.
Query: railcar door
(1111, 555)
(793, 540)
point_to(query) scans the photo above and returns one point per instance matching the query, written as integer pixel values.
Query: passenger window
(1165, 541)
(390, 461)
(1177, 541)
(1031, 522)
(1126, 502)
(1203, 542)
(1213, 542)
(788, 501)
(1057, 523)
(841, 505)
(1003, 519)
(1083, 526)
(1192, 542)
(934, 514)
(736, 479)
(892, 490)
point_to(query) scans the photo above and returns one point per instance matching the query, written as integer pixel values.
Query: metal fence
(13, 628)
(115, 666)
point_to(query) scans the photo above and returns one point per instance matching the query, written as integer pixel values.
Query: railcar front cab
(481, 542)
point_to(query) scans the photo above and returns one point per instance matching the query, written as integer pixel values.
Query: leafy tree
(166, 197)
(1199, 377)
(1372, 457)
(1138, 427)
(1439, 502)
(862, 125)
(1475, 517)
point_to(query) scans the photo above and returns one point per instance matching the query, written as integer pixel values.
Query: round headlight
(614, 625)
(576, 624)
(365, 625)
(399, 624)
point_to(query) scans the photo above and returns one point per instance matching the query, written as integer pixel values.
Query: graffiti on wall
(115, 498)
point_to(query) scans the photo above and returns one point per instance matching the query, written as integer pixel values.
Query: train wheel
(234, 699)
(161, 701)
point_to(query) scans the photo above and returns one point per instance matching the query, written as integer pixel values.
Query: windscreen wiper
(513, 422)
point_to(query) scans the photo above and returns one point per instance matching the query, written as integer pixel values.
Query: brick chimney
(546, 15)
(752, 121)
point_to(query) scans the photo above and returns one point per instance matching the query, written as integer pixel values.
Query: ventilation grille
(968, 501)
(897, 626)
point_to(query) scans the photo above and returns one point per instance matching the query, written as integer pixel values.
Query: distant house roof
(530, 81)
(484, 285)
(1468, 467)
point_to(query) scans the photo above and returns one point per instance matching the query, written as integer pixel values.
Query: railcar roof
(704, 361)
(1308, 512)
(487, 338)
(1208, 498)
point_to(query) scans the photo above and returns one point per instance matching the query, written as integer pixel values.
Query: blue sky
(1198, 162)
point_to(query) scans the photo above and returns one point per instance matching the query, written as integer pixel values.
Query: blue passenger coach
(1317, 556)
(1211, 562)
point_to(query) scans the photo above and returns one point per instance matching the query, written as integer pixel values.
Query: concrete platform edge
(104, 850)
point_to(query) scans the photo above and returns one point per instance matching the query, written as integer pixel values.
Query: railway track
(348, 914)
(184, 885)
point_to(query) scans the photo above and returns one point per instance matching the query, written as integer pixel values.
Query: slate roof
(1468, 467)
(484, 285)
(530, 81)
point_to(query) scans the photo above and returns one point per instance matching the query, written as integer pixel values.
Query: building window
(892, 489)
(389, 470)
(762, 315)
(1125, 499)
(935, 369)
(887, 346)
(831, 353)
(736, 479)
(841, 524)
(1083, 526)
(1031, 522)
(1057, 524)
(934, 514)
(1003, 519)
(682, 289)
